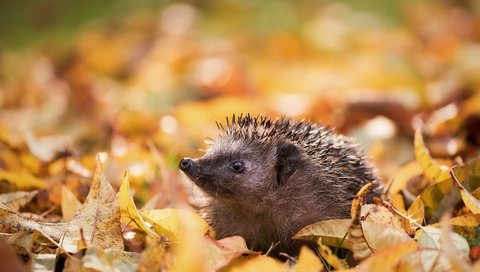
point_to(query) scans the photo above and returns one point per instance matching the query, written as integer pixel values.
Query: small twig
(290, 258)
(45, 213)
(272, 247)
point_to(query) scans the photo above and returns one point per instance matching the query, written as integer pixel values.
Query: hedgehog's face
(234, 169)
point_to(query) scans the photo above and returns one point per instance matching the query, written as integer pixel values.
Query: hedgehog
(265, 179)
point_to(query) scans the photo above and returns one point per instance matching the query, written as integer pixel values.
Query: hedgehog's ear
(288, 158)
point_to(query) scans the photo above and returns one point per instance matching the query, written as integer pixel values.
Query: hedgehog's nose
(185, 164)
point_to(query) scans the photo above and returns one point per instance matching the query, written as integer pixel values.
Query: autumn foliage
(92, 129)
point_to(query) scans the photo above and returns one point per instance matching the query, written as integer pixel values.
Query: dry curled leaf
(358, 245)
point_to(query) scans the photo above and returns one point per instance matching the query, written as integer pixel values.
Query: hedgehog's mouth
(210, 185)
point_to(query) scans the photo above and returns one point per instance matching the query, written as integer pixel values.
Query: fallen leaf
(188, 250)
(168, 222)
(43, 262)
(22, 179)
(18, 222)
(70, 204)
(14, 201)
(472, 203)
(255, 264)
(332, 232)
(155, 256)
(358, 244)
(430, 168)
(48, 148)
(451, 247)
(98, 221)
(128, 209)
(388, 259)
(109, 260)
(308, 261)
(416, 213)
(430, 238)
(330, 257)
(468, 220)
(403, 175)
(218, 254)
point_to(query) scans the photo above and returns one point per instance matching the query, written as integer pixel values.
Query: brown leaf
(98, 221)
(17, 222)
(333, 232)
(358, 245)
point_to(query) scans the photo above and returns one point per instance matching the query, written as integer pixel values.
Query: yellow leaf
(403, 175)
(430, 168)
(432, 197)
(70, 204)
(168, 222)
(188, 251)
(256, 264)
(387, 259)
(128, 209)
(467, 220)
(329, 257)
(470, 201)
(22, 179)
(416, 212)
(398, 203)
(308, 261)
(218, 254)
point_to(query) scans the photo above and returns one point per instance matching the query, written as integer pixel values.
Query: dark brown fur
(290, 174)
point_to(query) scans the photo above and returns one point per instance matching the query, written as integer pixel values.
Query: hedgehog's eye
(237, 166)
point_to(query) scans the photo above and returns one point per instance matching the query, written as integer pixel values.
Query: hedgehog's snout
(186, 164)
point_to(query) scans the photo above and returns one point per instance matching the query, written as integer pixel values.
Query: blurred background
(146, 80)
